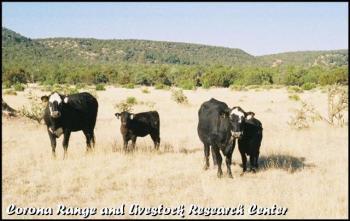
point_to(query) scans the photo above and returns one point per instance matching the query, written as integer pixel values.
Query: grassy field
(305, 170)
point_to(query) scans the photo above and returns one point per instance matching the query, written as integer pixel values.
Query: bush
(129, 86)
(100, 78)
(6, 84)
(19, 87)
(131, 100)
(337, 104)
(36, 110)
(124, 106)
(10, 92)
(179, 97)
(303, 116)
(16, 76)
(294, 89)
(100, 87)
(308, 86)
(294, 97)
(159, 86)
(187, 85)
(145, 90)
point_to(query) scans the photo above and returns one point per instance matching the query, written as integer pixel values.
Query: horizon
(330, 32)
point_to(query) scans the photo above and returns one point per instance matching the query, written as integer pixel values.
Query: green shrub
(294, 97)
(18, 87)
(6, 84)
(205, 85)
(16, 76)
(100, 87)
(308, 86)
(187, 85)
(100, 78)
(131, 100)
(145, 90)
(294, 89)
(10, 92)
(159, 86)
(129, 86)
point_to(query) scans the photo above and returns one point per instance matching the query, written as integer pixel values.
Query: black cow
(248, 130)
(66, 114)
(214, 130)
(139, 125)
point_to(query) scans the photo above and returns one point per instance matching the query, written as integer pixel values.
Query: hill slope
(83, 50)
(308, 58)
(16, 46)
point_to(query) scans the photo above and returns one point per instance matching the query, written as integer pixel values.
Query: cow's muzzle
(237, 134)
(55, 114)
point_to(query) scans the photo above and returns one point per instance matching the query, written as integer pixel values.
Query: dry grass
(303, 170)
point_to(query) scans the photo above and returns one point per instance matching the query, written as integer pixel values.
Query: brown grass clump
(179, 97)
(337, 104)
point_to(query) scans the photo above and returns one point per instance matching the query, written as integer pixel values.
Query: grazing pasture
(303, 170)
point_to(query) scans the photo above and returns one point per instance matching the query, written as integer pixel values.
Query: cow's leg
(244, 162)
(218, 160)
(125, 140)
(228, 165)
(256, 161)
(66, 136)
(156, 140)
(53, 143)
(206, 156)
(88, 134)
(252, 162)
(229, 161)
(133, 140)
(241, 149)
(213, 156)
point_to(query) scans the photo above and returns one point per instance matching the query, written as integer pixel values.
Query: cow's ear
(226, 112)
(45, 98)
(65, 100)
(250, 115)
(131, 116)
(117, 115)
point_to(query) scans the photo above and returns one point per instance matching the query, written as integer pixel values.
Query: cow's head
(55, 103)
(124, 117)
(238, 118)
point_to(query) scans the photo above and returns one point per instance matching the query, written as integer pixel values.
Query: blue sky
(257, 28)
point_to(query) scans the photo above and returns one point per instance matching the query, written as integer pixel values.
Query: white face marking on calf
(238, 113)
(65, 100)
(55, 97)
(249, 117)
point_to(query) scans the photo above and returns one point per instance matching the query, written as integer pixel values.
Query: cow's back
(208, 120)
(80, 112)
(145, 123)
